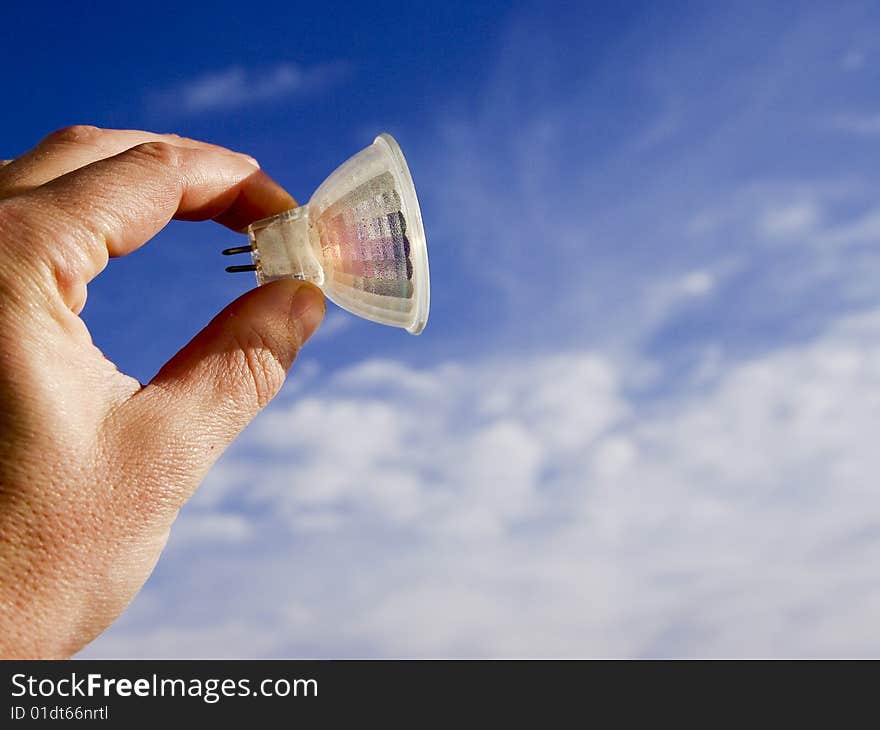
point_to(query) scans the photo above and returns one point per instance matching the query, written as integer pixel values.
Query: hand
(93, 466)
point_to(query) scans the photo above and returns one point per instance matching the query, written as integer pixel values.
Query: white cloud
(788, 220)
(860, 230)
(697, 283)
(238, 86)
(853, 60)
(335, 323)
(214, 526)
(864, 125)
(534, 508)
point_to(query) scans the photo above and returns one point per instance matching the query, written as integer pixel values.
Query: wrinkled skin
(94, 466)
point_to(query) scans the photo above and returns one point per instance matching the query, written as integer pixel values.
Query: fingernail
(307, 309)
(249, 159)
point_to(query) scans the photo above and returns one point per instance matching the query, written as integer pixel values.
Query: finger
(73, 147)
(207, 393)
(113, 206)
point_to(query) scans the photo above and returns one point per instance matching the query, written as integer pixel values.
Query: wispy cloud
(865, 125)
(853, 60)
(335, 323)
(238, 86)
(797, 218)
(599, 231)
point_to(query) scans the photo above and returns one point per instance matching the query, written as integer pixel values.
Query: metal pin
(243, 267)
(236, 249)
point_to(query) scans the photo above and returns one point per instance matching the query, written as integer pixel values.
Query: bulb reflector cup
(360, 238)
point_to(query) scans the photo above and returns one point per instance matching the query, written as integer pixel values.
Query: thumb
(210, 390)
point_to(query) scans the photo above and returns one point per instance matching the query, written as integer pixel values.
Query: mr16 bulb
(360, 238)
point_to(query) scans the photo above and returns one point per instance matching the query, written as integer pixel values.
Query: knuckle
(259, 369)
(73, 134)
(156, 153)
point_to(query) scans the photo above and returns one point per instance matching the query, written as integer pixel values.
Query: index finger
(73, 147)
(113, 206)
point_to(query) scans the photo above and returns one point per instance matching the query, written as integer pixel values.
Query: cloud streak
(238, 87)
(865, 125)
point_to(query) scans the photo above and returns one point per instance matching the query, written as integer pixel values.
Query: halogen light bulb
(360, 238)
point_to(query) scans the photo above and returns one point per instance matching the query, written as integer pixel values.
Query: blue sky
(641, 420)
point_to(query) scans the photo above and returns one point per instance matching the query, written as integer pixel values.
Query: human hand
(93, 466)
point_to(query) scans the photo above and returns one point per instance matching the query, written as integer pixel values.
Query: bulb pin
(236, 249)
